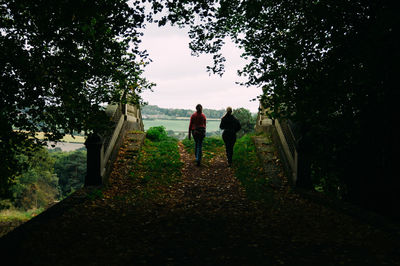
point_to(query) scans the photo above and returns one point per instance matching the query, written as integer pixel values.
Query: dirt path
(205, 219)
(211, 188)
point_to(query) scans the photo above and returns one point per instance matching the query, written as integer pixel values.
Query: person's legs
(229, 150)
(229, 143)
(195, 148)
(198, 149)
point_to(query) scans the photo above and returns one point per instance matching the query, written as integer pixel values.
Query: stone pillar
(125, 111)
(93, 145)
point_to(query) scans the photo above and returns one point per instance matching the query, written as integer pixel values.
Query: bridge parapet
(102, 150)
(263, 123)
(290, 143)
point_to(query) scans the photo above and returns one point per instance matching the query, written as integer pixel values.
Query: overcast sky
(182, 79)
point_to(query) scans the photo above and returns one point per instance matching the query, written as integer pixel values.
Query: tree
(247, 121)
(37, 186)
(329, 66)
(61, 61)
(70, 168)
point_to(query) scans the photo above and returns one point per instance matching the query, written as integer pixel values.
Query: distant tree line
(154, 110)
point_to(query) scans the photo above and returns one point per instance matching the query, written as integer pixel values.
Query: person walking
(231, 126)
(197, 127)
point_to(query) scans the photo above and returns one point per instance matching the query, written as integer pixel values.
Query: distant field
(66, 138)
(180, 125)
(65, 146)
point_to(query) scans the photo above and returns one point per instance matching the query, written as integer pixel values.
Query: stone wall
(283, 142)
(102, 150)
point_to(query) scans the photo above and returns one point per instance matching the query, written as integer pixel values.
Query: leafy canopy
(328, 65)
(61, 62)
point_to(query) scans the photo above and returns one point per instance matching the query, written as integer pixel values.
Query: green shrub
(247, 121)
(6, 204)
(157, 133)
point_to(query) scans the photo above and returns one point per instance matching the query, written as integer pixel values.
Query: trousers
(229, 140)
(198, 145)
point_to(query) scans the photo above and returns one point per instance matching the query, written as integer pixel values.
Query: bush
(247, 121)
(156, 133)
(6, 204)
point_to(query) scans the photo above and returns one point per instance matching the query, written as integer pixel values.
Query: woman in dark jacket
(231, 126)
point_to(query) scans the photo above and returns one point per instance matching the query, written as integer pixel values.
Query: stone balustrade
(291, 146)
(102, 150)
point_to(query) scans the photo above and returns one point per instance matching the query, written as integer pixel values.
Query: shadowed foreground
(204, 219)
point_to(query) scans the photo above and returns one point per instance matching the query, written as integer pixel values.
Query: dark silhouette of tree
(330, 66)
(60, 61)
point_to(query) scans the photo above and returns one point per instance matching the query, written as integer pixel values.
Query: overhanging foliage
(61, 61)
(328, 65)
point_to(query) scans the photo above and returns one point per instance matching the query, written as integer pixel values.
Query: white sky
(182, 80)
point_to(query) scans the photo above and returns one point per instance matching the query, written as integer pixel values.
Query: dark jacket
(230, 125)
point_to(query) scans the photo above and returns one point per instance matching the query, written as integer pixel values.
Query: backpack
(199, 132)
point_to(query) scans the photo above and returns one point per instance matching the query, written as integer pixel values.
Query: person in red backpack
(197, 128)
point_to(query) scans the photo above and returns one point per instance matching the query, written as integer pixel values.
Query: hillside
(153, 111)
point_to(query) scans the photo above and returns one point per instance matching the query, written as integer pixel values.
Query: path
(204, 220)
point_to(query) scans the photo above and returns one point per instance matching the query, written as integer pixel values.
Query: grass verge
(158, 165)
(249, 170)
